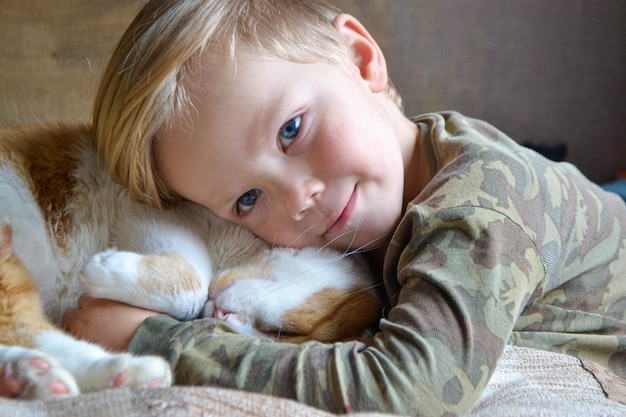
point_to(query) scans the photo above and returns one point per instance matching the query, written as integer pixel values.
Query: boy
(279, 115)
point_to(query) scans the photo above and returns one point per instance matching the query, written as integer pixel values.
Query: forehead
(248, 88)
(221, 78)
(204, 151)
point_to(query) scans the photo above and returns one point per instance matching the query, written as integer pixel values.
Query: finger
(73, 324)
(83, 299)
(68, 318)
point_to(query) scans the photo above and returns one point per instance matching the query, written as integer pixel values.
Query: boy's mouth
(339, 222)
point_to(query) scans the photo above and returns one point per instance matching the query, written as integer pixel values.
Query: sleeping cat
(66, 229)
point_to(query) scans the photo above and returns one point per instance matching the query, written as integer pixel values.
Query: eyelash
(298, 125)
(294, 124)
(243, 213)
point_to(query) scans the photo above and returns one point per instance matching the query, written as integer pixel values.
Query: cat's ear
(367, 55)
(6, 241)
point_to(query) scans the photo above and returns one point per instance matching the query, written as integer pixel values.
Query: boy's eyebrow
(276, 108)
(282, 110)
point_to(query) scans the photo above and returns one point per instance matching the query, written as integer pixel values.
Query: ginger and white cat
(66, 229)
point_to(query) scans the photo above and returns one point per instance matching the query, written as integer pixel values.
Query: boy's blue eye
(289, 131)
(246, 201)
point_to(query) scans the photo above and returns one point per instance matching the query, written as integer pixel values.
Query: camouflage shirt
(502, 246)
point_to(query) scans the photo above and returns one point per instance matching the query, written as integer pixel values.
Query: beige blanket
(526, 383)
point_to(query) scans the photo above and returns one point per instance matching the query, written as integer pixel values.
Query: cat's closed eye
(298, 295)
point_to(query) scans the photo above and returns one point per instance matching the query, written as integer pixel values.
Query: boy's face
(300, 154)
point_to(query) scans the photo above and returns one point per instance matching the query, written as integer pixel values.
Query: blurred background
(548, 73)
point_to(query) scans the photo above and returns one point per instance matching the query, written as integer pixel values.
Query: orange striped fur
(19, 298)
(66, 228)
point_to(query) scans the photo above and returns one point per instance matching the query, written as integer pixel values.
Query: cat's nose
(219, 314)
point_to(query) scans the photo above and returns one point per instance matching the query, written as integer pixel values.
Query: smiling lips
(339, 223)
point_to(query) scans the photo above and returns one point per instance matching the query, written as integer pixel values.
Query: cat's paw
(145, 372)
(34, 375)
(107, 274)
(124, 370)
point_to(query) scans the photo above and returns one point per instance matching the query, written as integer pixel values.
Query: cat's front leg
(164, 282)
(95, 368)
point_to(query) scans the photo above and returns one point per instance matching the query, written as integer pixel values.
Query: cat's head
(297, 295)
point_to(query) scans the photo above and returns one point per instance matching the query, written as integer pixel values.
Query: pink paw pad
(39, 363)
(155, 383)
(119, 379)
(10, 385)
(58, 387)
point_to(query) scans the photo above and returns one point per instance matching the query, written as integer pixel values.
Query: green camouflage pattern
(503, 246)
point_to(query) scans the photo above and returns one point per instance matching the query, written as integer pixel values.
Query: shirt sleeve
(457, 279)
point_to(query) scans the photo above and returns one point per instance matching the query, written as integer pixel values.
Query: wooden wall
(549, 70)
(546, 70)
(51, 54)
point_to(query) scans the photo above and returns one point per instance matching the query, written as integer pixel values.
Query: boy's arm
(457, 292)
(341, 377)
(109, 323)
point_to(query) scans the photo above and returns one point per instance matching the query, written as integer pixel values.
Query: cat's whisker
(347, 232)
(362, 249)
(300, 235)
(273, 246)
(369, 287)
(327, 245)
(278, 334)
(356, 229)
(350, 252)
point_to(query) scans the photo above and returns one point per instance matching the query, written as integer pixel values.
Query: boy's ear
(367, 55)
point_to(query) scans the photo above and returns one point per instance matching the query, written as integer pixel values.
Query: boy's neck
(416, 169)
(375, 259)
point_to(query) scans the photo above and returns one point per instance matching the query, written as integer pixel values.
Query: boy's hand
(108, 323)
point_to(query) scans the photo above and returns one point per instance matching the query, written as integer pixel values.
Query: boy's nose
(302, 197)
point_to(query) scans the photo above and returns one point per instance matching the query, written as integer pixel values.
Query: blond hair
(143, 87)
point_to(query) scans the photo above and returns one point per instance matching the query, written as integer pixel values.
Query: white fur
(108, 236)
(290, 277)
(94, 368)
(30, 237)
(79, 366)
(113, 274)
